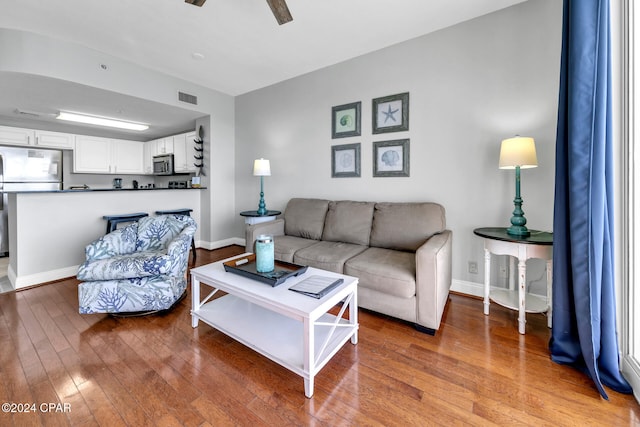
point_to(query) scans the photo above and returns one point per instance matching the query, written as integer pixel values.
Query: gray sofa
(400, 252)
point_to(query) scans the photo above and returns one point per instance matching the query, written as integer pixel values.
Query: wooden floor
(158, 371)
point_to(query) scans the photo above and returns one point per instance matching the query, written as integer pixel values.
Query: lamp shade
(261, 167)
(518, 151)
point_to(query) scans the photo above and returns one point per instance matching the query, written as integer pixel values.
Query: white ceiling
(244, 48)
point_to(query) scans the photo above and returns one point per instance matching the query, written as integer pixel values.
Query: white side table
(538, 245)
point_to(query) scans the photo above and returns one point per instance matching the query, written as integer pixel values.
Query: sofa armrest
(433, 279)
(274, 228)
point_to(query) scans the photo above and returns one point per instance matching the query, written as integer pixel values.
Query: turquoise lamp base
(518, 220)
(518, 231)
(262, 207)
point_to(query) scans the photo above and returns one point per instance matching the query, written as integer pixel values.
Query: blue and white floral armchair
(141, 267)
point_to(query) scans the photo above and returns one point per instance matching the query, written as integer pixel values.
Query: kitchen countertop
(84, 190)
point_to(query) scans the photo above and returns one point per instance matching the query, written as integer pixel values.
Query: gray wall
(471, 86)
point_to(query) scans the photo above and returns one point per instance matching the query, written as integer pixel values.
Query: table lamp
(518, 153)
(261, 168)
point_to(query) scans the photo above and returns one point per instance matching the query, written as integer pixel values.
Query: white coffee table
(293, 330)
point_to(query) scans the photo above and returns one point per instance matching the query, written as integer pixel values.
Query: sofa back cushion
(349, 222)
(305, 218)
(406, 226)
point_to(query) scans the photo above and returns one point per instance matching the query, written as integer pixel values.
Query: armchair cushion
(127, 266)
(157, 233)
(118, 242)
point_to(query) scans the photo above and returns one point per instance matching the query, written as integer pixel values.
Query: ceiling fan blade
(198, 3)
(280, 11)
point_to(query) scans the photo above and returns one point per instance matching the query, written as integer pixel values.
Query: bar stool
(186, 212)
(114, 220)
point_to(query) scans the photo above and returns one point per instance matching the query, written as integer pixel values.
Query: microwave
(163, 164)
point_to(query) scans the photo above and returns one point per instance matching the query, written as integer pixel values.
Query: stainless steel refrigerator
(25, 169)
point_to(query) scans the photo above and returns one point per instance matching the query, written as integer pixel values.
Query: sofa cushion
(305, 218)
(286, 246)
(384, 270)
(406, 226)
(349, 222)
(329, 256)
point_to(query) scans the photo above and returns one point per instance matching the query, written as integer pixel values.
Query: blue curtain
(584, 308)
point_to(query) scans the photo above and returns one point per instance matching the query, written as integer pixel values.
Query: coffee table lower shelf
(272, 334)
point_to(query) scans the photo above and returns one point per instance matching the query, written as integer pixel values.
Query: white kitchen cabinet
(107, 156)
(149, 150)
(92, 155)
(45, 139)
(183, 152)
(164, 145)
(54, 139)
(16, 136)
(127, 157)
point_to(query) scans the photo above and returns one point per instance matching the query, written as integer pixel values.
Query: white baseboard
(221, 243)
(42, 277)
(468, 288)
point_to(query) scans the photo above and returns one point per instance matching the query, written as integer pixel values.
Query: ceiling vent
(190, 99)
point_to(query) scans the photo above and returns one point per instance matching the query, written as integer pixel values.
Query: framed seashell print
(345, 161)
(391, 158)
(345, 120)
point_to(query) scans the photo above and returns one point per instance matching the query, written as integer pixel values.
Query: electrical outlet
(473, 267)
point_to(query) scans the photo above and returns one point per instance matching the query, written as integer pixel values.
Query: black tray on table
(246, 266)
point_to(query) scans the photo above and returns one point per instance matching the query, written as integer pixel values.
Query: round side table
(538, 245)
(253, 217)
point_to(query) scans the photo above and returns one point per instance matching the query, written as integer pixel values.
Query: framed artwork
(345, 160)
(391, 158)
(345, 120)
(391, 113)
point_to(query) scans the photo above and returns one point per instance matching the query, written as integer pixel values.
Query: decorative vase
(264, 253)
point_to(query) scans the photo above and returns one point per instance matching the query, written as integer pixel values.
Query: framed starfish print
(391, 113)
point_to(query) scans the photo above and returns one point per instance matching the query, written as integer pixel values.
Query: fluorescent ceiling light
(100, 121)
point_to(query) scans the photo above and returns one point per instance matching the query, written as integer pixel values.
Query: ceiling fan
(278, 7)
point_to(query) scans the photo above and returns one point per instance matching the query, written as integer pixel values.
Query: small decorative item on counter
(264, 253)
(117, 183)
(195, 182)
